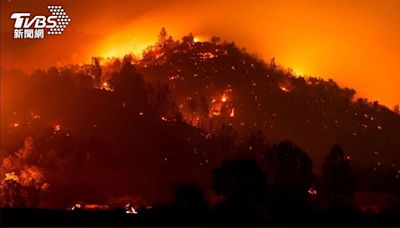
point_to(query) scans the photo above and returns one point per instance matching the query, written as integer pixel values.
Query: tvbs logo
(28, 27)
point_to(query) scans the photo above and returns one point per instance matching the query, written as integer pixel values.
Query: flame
(222, 105)
(57, 127)
(106, 86)
(129, 209)
(312, 191)
(285, 86)
(284, 89)
(215, 110)
(206, 55)
(77, 206)
(95, 207)
(196, 39)
(11, 176)
(31, 176)
(232, 114)
(224, 98)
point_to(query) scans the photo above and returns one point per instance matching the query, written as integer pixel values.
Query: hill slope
(214, 83)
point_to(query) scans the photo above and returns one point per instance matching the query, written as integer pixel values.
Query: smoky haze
(354, 42)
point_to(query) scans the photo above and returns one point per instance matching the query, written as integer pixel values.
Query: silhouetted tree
(290, 176)
(242, 184)
(129, 86)
(188, 39)
(215, 39)
(273, 64)
(162, 37)
(337, 184)
(96, 71)
(255, 143)
(159, 100)
(226, 134)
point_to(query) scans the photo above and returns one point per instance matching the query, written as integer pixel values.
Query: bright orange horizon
(354, 42)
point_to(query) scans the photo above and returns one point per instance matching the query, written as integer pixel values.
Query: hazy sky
(355, 42)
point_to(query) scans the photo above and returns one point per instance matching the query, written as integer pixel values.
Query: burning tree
(23, 181)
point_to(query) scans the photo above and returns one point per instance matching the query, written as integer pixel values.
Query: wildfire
(173, 77)
(16, 169)
(95, 207)
(206, 55)
(57, 127)
(215, 109)
(11, 176)
(129, 209)
(118, 44)
(106, 86)
(222, 105)
(76, 207)
(224, 98)
(232, 114)
(196, 39)
(285, 86)
(35, 115)
(284, 89)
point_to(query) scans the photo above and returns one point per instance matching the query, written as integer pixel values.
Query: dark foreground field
(45, 217)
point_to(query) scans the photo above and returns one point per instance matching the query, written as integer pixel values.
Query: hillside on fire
(192, 114)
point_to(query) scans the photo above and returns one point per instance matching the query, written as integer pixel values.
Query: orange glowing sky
(355, 42)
